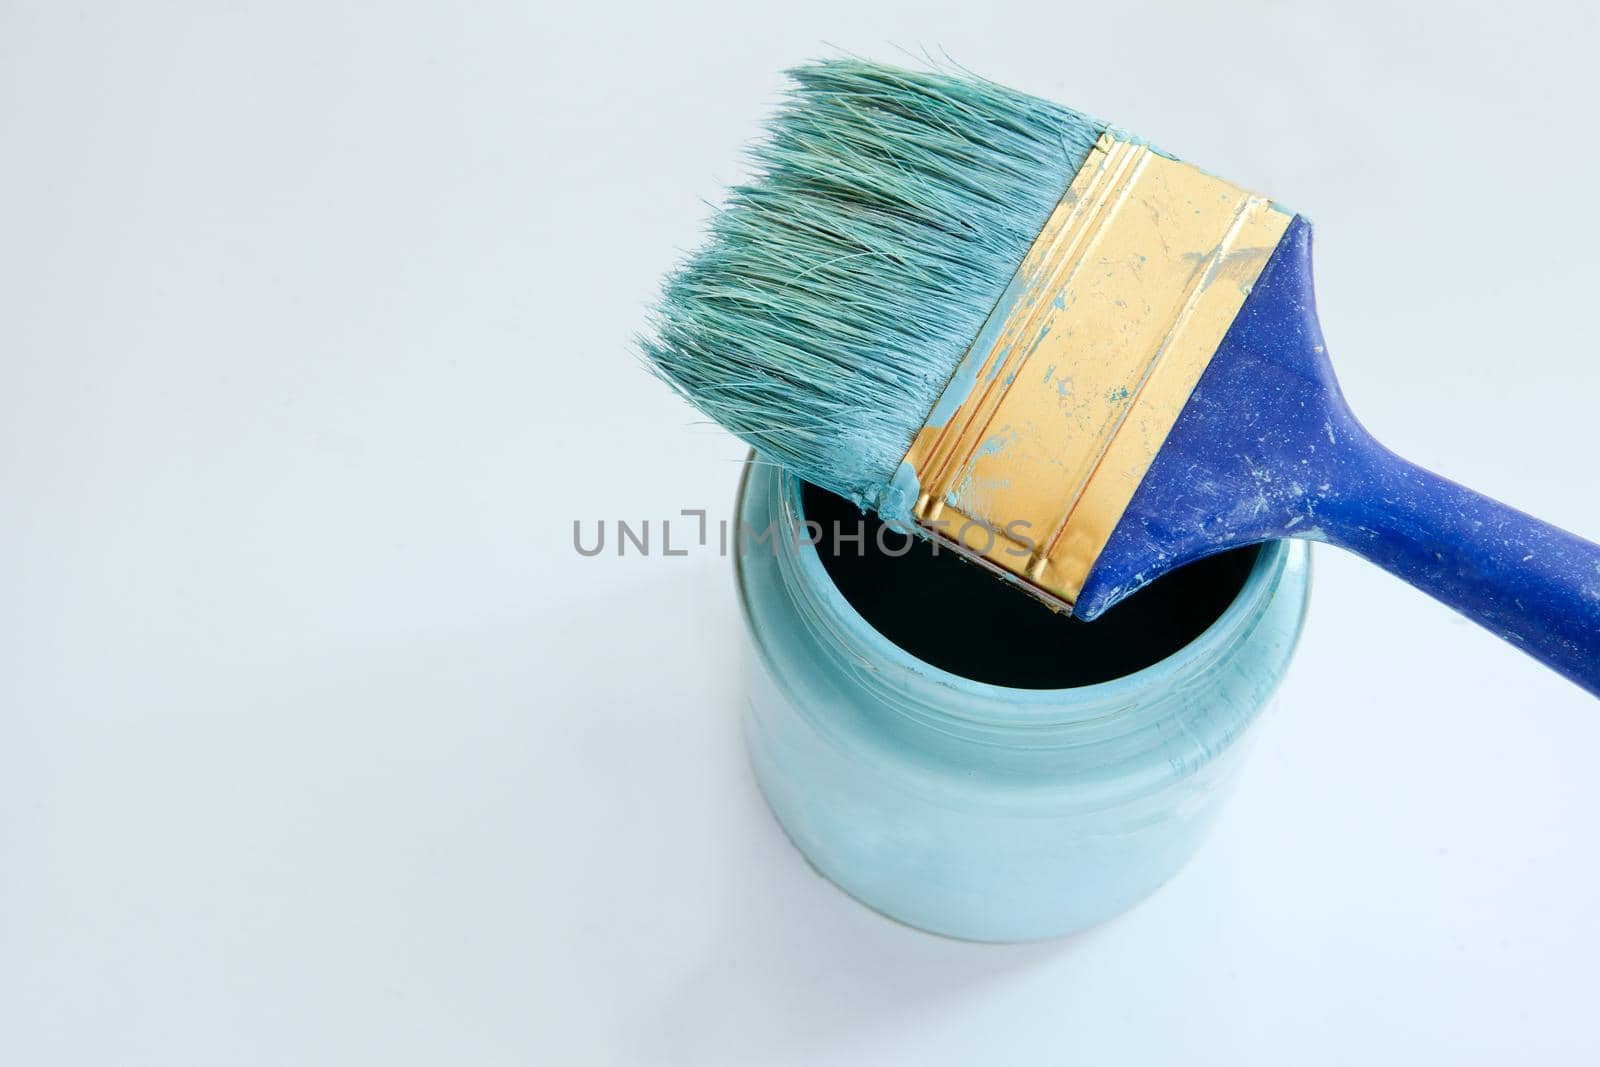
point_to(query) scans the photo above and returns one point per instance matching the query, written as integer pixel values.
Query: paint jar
(953, 754)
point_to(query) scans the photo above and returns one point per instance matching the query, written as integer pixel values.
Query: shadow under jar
(953, 753)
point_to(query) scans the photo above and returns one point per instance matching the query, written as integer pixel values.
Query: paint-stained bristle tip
(841, 285)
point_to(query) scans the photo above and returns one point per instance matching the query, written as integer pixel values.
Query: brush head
(843, 283)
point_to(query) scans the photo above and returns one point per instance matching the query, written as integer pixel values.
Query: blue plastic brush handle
(1267, 448)
(1533, 584)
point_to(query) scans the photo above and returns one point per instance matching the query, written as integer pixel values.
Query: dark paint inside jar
(959, 617)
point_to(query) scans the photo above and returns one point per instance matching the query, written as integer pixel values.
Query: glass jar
(953, 801)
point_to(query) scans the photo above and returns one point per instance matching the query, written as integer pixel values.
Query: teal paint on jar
(977, 810)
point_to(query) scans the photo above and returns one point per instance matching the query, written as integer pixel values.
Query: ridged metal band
(1030, 458)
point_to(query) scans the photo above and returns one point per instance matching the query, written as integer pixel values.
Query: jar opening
(903, 587)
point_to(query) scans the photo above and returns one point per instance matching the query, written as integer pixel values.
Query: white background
(320, 745)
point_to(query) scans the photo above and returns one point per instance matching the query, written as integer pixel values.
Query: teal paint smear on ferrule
(965, 378)
(899, 497)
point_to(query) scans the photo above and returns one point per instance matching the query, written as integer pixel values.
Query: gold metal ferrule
(1030, 458)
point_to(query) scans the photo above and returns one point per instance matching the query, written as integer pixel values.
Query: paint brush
(1067, 354)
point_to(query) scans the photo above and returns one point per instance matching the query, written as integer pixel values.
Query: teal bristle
(841, 286)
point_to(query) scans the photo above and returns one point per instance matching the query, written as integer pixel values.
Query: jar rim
(991, 704)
